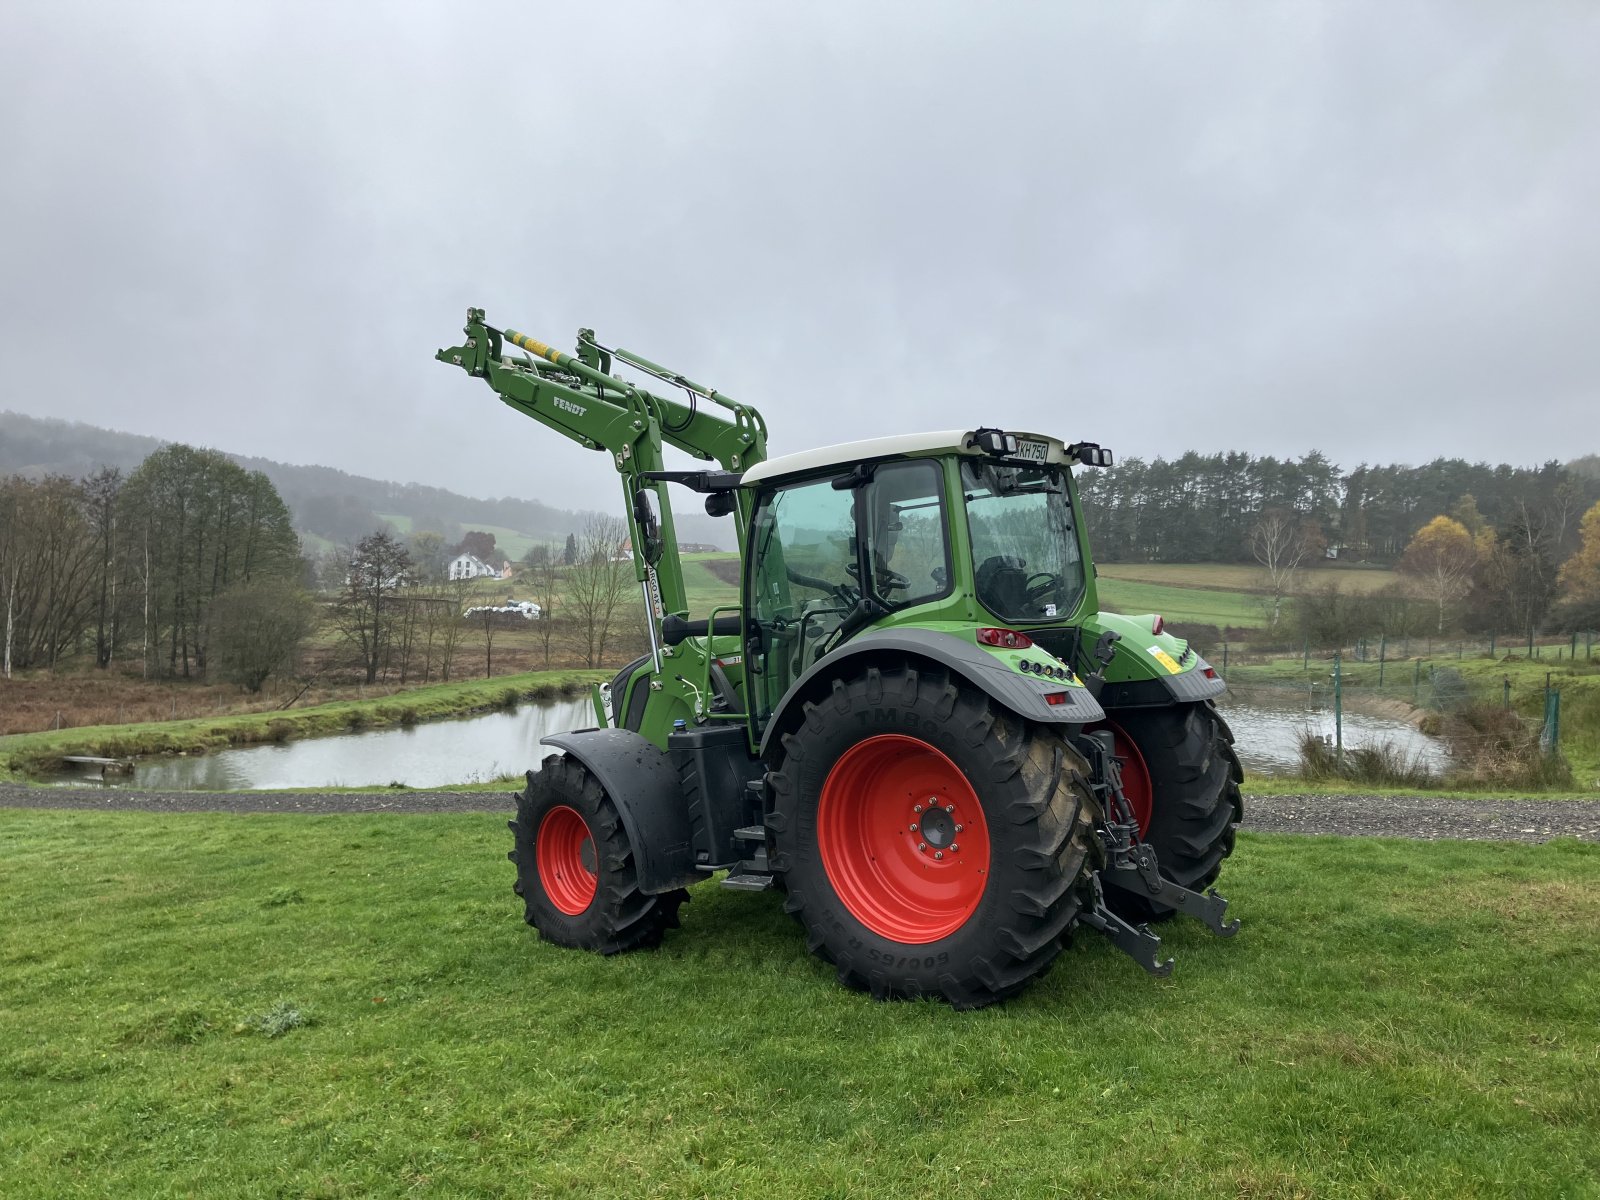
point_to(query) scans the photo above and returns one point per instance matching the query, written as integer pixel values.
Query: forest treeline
(330, 504)
(1206, 507)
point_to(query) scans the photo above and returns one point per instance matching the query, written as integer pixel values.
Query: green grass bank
(350, 1006)
(29, 755)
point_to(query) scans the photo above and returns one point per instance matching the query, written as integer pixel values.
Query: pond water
(466, 750)
(492, 745)
(1267, 734)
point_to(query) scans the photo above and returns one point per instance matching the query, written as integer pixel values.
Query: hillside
(329, 506)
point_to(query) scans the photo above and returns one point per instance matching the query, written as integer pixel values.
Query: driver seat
(1002, 585)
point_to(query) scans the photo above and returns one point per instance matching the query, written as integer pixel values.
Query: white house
(470, 566)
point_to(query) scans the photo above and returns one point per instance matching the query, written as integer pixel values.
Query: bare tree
(546, 592)
(1280, 540)
(598, 582)
(379, 566)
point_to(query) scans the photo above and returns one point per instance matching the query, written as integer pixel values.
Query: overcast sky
(1373, 229)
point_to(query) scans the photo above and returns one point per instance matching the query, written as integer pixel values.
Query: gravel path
(1350, 816)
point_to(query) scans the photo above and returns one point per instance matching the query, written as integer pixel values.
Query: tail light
(1057, 698)
(1005, 639)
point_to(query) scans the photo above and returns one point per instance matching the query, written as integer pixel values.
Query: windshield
(1024, 543)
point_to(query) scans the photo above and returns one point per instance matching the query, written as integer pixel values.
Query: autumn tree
(1579, 580)
(479, 544)
(1438, 561)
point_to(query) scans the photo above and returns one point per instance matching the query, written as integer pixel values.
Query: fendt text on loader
(916, 725)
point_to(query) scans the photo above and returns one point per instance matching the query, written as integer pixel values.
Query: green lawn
(1181, 605)
(1395, 1019)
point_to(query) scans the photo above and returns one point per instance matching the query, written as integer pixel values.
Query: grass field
(350, 1006)
(1245, 577)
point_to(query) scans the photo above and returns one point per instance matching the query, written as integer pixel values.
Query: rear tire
(889, 889)
(576, 871)
(1191, 808)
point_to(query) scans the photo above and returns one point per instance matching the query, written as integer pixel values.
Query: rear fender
(642, 783)
(1019, 693)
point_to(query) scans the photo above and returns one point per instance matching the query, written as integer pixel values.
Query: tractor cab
(953, 527)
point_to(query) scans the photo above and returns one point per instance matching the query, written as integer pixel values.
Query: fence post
(1530, 641)
(1224, 658)
(1574, 655)
(1491, 645)
(1416, 682)
(1305, 656)
(1458, 648)
(1588, 645)
(1338, 714)
(1505, 692)
(1383, 649)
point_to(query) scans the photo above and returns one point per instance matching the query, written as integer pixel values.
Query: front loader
(917, 724)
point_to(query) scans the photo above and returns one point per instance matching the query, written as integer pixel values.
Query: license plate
(1033, 451)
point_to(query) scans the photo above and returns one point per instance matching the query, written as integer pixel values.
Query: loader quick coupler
(1131, 866)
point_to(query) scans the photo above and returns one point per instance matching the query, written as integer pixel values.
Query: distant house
(470, 566)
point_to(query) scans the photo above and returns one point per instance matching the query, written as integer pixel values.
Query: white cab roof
(849, 453)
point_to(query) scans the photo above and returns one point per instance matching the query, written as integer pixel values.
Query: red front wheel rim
(903, 839)
(565, 856)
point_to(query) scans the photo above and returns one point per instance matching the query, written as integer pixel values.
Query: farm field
(1244, 577)
(351, 1006)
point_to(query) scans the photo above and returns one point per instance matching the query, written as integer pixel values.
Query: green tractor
(917, 725)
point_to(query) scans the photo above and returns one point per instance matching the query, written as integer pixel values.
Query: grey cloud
(1365, 228)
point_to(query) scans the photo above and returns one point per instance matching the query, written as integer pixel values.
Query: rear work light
(1005, 639)
(1157, 624)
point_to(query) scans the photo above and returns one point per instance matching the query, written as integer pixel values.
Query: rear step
(752, 874)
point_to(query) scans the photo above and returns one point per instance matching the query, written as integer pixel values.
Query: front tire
(931, 843)
(1181, 777)
(576, 871)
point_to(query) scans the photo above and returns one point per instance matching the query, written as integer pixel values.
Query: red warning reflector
(1056, 698)
(1210, 672)
(1006, 639)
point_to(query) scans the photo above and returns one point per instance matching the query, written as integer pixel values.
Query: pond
(1267, 731)
(438, 754)
(494, 745)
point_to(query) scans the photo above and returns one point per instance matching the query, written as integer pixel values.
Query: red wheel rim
(1135, 775)
(903, 839)
(564, 853)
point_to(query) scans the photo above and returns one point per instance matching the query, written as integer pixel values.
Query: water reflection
(438, 754)
(1267, 736)
(492, 745)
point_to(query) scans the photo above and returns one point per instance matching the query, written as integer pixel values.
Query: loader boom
(577, 396)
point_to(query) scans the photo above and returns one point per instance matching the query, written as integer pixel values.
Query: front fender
(643, 785)
(1021, 694)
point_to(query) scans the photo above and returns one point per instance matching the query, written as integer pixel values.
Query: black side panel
(642, 784)
(1187, 688)
(1023, 695)
(714, 765)
(628, 711)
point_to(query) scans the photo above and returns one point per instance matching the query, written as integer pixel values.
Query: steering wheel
(1039, 585)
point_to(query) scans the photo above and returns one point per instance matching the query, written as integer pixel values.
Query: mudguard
(1188, 688)
(643, 785)
(1022, 694)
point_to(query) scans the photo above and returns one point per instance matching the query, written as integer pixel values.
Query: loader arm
(576, 396)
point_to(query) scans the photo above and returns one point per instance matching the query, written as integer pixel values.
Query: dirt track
(1350, 816)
